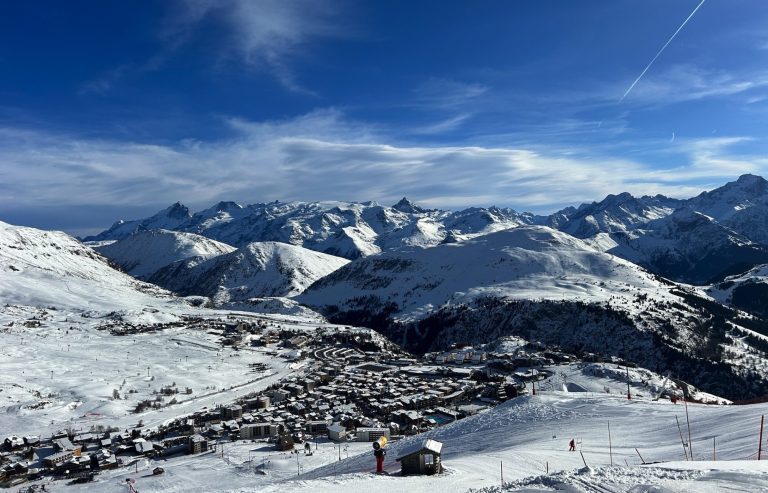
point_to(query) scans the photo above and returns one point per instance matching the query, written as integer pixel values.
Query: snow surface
(145, 252)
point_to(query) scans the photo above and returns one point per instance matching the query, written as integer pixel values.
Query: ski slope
(522, 438)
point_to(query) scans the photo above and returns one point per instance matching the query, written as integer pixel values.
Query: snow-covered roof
(428, 444)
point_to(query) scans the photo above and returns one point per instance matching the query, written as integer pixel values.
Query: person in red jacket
(572, 445)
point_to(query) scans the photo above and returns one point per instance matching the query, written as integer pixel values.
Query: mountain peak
(225, 206)
(176, 211)
(749, 179)
(408, 207)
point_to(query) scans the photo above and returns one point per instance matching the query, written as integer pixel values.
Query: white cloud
(307, 159)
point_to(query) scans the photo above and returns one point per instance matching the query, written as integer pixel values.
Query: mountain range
(699, 240)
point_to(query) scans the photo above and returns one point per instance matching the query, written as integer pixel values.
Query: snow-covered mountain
(145, 252)
(170, 218)
(257, 270)
(528, 262)
(345, 229)
(686, 246)
(741, 205)
(615, 213)
(50, 268)
(717, 233)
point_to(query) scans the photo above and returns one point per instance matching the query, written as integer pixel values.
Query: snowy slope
(525, 440)
(145, 252)
(531, 262)
(524, 443)
(255, 271)
(43, 268)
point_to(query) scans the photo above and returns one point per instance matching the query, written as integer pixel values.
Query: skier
(572, 445)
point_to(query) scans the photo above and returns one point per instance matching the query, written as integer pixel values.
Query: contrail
(661, 51)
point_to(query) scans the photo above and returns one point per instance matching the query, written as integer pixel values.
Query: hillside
(747, 291)
(257, 270)
(145, 252)
(49, 268)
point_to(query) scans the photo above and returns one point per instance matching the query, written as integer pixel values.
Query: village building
(316, 427)
(260, 430)
(55, 459)
(337, 432)
(197, 444)
(235, 411)
(371, 434)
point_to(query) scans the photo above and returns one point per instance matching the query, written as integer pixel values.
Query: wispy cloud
(688, 83)
(447, 125)
(259, 34)
(441, 93)
(264, 34)
(311, 158)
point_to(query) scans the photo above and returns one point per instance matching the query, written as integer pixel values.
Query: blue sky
(116, 109)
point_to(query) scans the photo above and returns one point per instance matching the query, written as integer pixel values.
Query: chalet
(231, 426)
(175, 445)
(422, 457)
(13, 442)
(32, 440)
(144, 447)
(14, 469)
(63, 444)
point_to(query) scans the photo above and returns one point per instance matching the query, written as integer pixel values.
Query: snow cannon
(380, 443)
(379, 453)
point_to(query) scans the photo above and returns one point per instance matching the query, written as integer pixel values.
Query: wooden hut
(422, 457)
